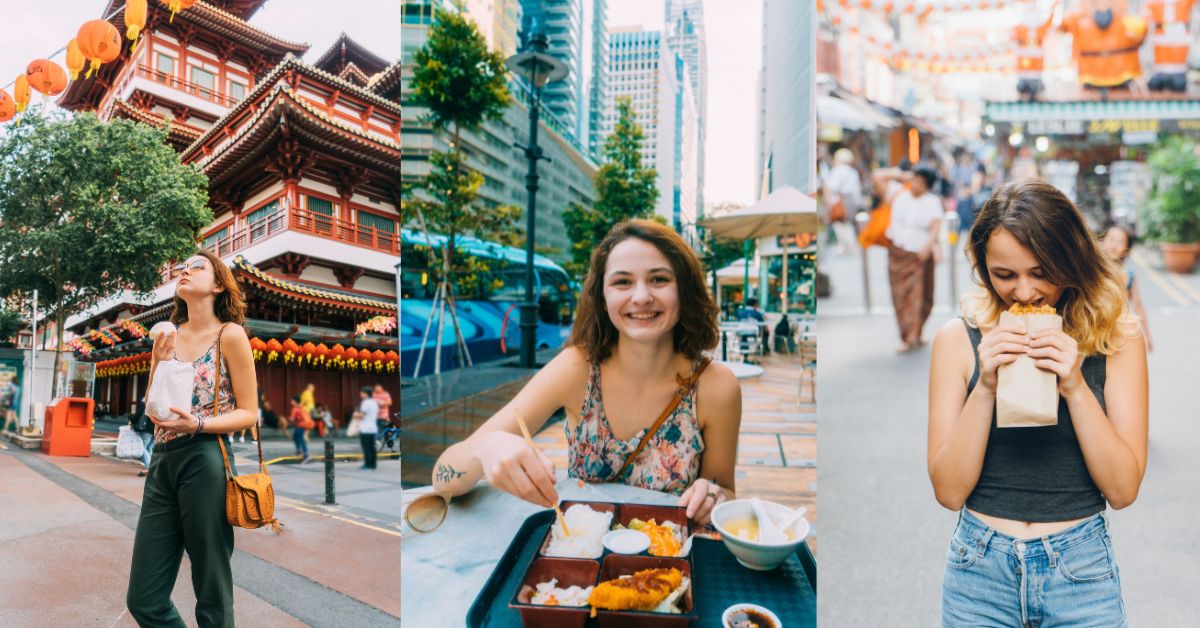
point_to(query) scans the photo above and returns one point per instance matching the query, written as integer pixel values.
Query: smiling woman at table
(644, 323)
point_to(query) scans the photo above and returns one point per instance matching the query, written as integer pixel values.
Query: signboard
(798, 240)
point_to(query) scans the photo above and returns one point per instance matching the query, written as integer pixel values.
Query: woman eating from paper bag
(1036, 420)
(183, 505)
(644, 323)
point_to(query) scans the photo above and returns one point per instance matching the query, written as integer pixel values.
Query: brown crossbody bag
(249, 499)
(685, 386)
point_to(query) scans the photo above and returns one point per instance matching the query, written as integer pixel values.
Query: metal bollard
(329, 497)
(952, 237)
(860, 220)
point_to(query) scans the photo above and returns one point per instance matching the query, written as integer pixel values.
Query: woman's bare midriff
(1025, 529)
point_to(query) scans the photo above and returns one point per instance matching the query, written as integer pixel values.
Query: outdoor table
(742, 370)
(443, 571)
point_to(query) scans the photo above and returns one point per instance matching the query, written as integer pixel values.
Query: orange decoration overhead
(21, 93)
(1107, 51)
(8, 108)
(75, 59)
(100, 43)
(47, 77)
(135, 20)
(178, 5)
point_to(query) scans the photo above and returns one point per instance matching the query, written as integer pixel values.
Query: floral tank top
(669, 462)
(205, 369)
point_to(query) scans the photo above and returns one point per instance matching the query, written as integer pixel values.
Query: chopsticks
(529, 439)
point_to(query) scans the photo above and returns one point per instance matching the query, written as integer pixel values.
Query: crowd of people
(906, 207)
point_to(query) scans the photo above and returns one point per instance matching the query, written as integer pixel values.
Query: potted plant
(1171, 214)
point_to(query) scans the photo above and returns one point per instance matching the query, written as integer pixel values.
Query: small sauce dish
(626, 542)
(749, 616)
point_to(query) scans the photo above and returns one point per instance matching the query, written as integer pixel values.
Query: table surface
(742, 370)
(443, 571)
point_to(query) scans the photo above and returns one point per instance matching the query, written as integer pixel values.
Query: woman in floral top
(183, 503)
(644, 322)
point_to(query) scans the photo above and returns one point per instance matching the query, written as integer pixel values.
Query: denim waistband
(1035, 546)
(186, 442)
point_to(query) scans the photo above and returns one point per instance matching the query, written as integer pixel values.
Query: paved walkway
(777, 445)
(70, 522)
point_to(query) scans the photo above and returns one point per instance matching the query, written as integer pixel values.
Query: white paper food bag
(172, 386)
(1027, 396)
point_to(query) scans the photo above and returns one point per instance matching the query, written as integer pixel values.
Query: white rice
(588, 528)
(571, 596)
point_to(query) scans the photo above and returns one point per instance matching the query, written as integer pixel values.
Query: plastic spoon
(767, 532)
(792, 519)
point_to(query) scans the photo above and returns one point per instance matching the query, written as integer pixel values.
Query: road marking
(1187, 287)
(344, 519)
(1156, 277)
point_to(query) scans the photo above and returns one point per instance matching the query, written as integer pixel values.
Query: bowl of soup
(738, 525)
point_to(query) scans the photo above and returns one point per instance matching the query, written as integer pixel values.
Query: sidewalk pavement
(777, 445)
(67, 541)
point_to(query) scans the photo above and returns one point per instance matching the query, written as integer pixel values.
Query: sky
(734, 38)
(37, 29)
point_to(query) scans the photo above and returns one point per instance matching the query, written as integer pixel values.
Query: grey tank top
(1037, 473)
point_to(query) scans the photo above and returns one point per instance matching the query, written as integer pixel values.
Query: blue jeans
(1066, 579)
(301, 444)
(147, 447)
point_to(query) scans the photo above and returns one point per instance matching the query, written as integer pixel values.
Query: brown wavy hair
(696, 331)
(229, 305)
(1093, 303)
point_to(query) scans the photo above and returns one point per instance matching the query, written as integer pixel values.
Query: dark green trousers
(183, 508)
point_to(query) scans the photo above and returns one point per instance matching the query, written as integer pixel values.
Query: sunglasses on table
(427, 512)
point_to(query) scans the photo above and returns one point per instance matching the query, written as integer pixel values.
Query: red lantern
(273, 345)
(178, 5)
(47, 77)
(8, 107)
(256, 344)
(100, 43)
(75, 59)
(338, 352)
(306, 352)
(321, 353)
(135, 18)
(392, 356)
(21, 93)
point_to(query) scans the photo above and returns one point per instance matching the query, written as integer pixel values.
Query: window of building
(262, 221)
(320, 206)
(166, 64)
(237, 91)
(386, 225)
(211, 241)
(204, 78)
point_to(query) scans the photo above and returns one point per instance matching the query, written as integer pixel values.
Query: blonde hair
(1094, 304)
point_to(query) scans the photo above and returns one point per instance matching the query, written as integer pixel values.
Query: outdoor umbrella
(785, 211)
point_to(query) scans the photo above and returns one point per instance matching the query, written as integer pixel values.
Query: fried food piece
(640, 592)
(662, 540)
(1019, 309)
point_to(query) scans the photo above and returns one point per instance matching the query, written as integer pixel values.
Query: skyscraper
(579, 38)
(685, 34)
(786, 144)
(653, 76)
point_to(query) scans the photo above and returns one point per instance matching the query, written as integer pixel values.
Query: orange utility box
(68, 427)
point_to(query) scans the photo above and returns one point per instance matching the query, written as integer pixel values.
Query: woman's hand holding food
(185, 424)
(1053, 350)
(511, 465)
(700, 498)
(1002, 345)
(164, 345)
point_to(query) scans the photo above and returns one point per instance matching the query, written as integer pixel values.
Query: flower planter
(1179, 258)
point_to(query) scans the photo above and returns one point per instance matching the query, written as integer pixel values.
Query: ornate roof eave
(386, 82)
(346, 50)
(180, 136)
(259, 135)
(308, 294)
(269, 83)
(352, 71)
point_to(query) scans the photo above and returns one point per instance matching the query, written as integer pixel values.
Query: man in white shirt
(367, 415)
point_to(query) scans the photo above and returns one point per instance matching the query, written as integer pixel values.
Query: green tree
(11, 322)
(462, 84)
(624, 190)
(91, 209)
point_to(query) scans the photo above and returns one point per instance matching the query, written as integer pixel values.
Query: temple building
(303, 162)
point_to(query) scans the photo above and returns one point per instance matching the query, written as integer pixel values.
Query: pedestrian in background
(1118, 242)
(367, 415)
(1032, 538)
(9, 399)
(384, 400)
(323, 416)
(301, 422)
(144, 428)
(912, 254)
(844, 197)
(308, 401)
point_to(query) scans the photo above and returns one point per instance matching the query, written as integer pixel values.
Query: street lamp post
(538, 68)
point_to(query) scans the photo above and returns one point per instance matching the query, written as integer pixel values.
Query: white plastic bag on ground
(129, 444)
(172, 386)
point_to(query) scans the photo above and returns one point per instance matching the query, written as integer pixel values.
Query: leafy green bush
(1172, 211)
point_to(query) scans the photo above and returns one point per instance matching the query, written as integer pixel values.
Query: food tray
(719, 581)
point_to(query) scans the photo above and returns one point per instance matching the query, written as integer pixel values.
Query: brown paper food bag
(1027, 396)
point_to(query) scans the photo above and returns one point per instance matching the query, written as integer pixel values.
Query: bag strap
(685, 386)
(216, 400)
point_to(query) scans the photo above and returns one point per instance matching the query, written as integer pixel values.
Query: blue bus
(489, 317)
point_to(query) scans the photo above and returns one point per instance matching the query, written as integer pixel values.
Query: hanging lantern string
(64, 48)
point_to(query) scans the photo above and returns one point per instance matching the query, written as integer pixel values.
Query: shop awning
(851, 114)
(1087, 111)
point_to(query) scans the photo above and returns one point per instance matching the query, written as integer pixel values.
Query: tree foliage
(90, 209)
(1171, 214)
(456, 77)
(624, 190)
